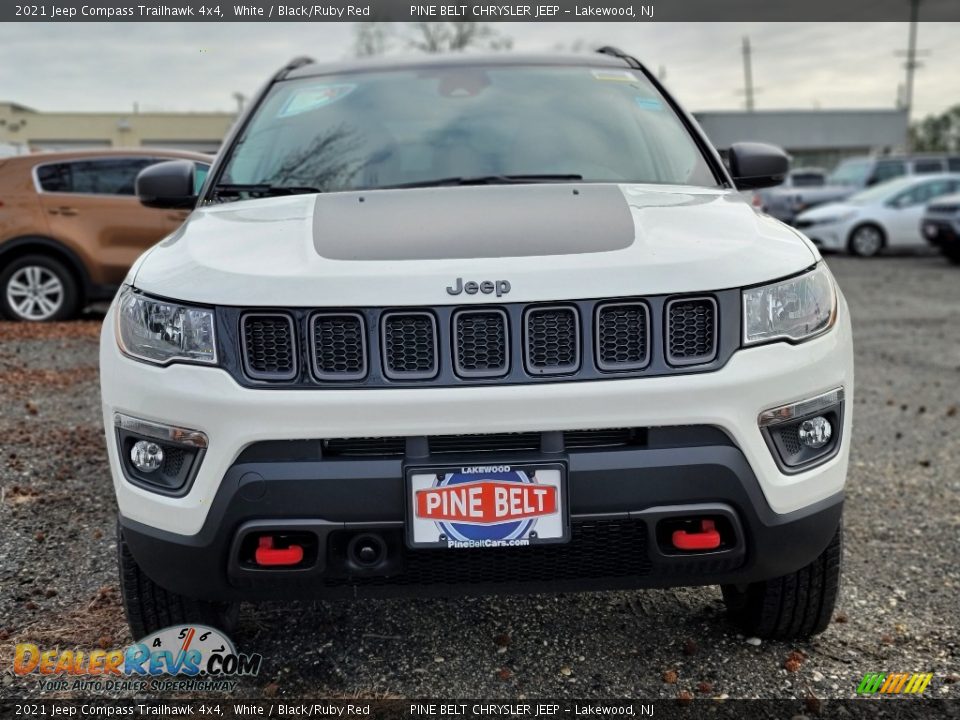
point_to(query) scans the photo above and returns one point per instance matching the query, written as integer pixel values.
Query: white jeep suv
(476, 324)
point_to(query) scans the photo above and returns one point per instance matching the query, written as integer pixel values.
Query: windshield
(851, 172)
(402, 127)
(881, 191)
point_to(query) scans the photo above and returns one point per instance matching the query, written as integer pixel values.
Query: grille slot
(943, 208)
(394, 446)
(481, 343)
(269, 346)
(614, 437)
(597, 549)
(491, 442)
(365, 447)
(691, 331)
(339, 346)
(552, 339)
(409, 345)
(623, 336)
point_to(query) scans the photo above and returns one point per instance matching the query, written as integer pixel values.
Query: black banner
(674, 709)
(504, 11)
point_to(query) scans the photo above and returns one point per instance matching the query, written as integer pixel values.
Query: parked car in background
(71, 227)
(941, 226)
(802, 177)
(851, 176)
(880, 217)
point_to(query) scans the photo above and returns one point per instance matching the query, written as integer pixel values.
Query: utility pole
(911, 64)
(240, 99)
(747, 75)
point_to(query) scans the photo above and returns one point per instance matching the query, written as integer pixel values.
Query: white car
(884, 216)
(476, 324)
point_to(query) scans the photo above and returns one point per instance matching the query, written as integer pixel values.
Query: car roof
(456, 60)
(906, 182)
(60, 155)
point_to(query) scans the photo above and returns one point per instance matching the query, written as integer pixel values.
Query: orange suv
(71, 227)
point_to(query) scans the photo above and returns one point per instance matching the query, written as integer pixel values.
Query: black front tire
(795, 606)
(150, 608)
(952, 254)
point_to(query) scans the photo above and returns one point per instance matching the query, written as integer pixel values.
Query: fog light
(815, 432)
(146, 456)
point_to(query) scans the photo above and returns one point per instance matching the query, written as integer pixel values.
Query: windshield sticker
(315, 97)
(648, 103)
(614, 75)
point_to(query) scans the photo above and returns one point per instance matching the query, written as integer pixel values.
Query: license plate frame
(494, 488)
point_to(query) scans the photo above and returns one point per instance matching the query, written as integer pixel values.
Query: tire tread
(150, 607)
(794, 606)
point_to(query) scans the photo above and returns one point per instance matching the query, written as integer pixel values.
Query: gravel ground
(898, 610)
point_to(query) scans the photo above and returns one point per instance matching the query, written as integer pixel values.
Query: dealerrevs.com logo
(894, 683)
(185, 657)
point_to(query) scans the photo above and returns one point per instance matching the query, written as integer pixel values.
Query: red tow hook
(706, 539)
(267, 554)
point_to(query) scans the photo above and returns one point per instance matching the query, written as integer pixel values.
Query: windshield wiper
(263, 189)
(482, 180)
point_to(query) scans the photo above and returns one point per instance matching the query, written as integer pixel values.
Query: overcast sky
(198, 66)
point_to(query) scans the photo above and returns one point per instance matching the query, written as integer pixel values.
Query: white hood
(550, 242)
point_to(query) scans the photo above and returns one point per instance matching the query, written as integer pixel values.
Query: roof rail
(618, 53)
(293, 65)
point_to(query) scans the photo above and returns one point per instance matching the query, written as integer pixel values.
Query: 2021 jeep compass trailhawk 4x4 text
(476, 324)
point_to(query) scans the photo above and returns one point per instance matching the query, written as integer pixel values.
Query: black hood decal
(472, 222)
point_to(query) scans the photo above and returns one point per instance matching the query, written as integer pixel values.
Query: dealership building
(812, 137)
(23, 129)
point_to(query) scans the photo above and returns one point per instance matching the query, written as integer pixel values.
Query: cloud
(198, 66)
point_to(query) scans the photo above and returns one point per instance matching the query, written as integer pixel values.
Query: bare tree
(371, 38)
(439, 37)
(375, 38)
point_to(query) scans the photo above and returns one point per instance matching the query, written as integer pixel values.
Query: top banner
(555, 11)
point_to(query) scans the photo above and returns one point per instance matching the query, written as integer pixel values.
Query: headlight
(162, 332)
(794, 309)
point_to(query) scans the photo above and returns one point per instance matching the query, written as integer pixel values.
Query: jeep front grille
(511, 343)
(622, 336)
(552, 339)
(269, 346)
(481, 344)
(691, 330)
(339, 346)
(409, 345)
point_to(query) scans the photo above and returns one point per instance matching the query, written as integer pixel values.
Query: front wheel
(150, 607)
(793, 606)
(952, 254)
(866, 240)
(37, 288)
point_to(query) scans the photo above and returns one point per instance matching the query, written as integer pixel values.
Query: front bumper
(696, 472)
(185, 542)
(941, 233)
(827, 236)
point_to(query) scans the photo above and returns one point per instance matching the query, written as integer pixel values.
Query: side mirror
(167, 185)
(757, 165)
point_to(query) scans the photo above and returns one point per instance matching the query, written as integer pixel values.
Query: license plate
(486, 506)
